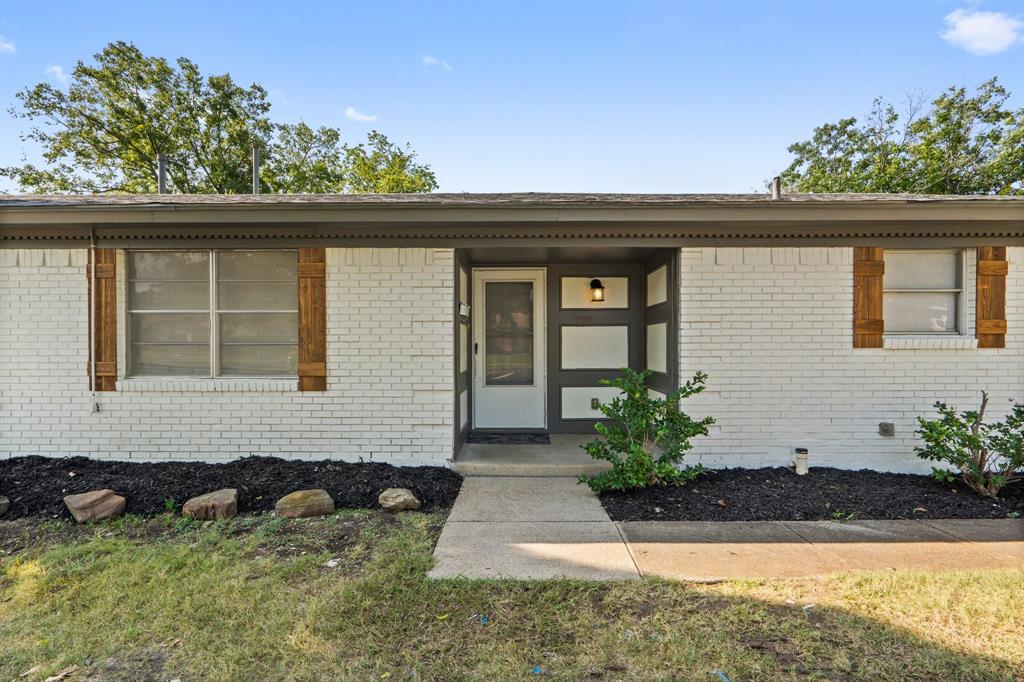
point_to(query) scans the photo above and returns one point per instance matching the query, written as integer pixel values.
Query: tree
(964, 144)
(104, 132)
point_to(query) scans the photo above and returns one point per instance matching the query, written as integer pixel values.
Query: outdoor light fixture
(596, 290)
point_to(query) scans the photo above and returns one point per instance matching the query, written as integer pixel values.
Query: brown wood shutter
(104, 345)
(868, 269)
(313, 319)
(991, 312)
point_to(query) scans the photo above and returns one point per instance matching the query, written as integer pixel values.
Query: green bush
(988, 456)
(639, 423)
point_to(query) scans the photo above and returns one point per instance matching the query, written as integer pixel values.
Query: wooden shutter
(104, 343)
(312, 319)
(868, 269)
(991, 311)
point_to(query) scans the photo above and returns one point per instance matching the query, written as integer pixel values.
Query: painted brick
(774, 335)
(387, 309)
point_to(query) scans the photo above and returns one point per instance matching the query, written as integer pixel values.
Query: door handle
(476, 348)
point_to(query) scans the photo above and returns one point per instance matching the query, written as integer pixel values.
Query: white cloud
(352, 114)
(58, 74)
(981, 32)
(6, 46)
(429, 61)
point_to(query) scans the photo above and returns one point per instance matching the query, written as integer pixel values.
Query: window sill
(157, 385)
(930, 342)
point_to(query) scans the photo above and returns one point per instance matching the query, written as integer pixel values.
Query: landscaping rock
(95, 505)
(302, 503)
(395, 500)
(220, 504)
(5, 504)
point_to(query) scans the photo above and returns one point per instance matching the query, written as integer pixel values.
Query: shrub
(988, 456)
(639, 423)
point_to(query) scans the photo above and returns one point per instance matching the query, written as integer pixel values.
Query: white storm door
(509, 341)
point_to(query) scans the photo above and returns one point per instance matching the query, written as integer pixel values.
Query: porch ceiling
(523, 255)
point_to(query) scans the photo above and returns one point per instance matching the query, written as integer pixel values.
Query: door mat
(498, 438)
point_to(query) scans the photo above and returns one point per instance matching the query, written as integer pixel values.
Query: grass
(255, 598)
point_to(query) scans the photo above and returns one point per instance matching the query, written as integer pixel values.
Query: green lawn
(252, 598)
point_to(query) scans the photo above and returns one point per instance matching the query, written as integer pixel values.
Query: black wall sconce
(596, 290)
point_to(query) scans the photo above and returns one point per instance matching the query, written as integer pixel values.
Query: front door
(509, 377)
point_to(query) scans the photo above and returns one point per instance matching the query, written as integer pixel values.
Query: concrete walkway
(535, 528)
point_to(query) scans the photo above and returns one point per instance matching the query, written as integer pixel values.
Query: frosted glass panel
(922, 270)
(576, 292)
(258, 360)
(256, 265)
(166, 360)
(509, 333)
(657, 347)
(595, 347)
(463, 347)
(921, 312)
(657, 286)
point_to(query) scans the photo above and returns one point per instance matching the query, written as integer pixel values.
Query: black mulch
(37, 485)
(778, 494)
(494, 438)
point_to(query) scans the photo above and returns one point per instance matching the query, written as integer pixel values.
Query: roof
(517, 199)
(535, 219)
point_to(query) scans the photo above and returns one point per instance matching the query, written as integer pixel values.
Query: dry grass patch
(346, 597)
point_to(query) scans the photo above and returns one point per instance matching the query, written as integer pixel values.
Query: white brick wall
(772, 328)
(389, 395)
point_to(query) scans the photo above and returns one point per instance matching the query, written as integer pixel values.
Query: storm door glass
(508, 349)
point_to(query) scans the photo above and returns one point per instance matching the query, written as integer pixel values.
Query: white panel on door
(595, 347)
(576, 401)
(463, 286)
(657, 286)
(657, 347)
(576, 293)
(463, 409)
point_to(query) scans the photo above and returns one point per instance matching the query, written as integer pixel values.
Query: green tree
(104, 131)
(963, 144)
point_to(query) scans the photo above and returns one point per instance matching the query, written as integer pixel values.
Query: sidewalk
(535, 528)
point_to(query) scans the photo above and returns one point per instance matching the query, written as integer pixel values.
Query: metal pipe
(92, 317)
(776, 188)
(255, 168)
(161, 174)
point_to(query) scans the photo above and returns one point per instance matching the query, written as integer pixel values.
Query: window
(923, 291)
(212, 313)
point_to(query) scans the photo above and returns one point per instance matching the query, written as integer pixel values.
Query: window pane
(258, 295)
(920, 312)
(509, 331)
(259, 328)
(264, 265)
(170, 328)
(258, 361)
(921, 270)
(169, 265)
(170, 360)
(168, 295)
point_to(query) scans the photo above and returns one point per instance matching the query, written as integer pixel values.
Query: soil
(823, 494)
(36, 486)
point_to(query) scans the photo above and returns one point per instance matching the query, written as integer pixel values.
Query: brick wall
(772, 328)
(389, 392)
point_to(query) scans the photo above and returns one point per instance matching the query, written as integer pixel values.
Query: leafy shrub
(988, 456)
(639, 423)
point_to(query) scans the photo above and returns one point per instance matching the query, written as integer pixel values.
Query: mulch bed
(824, 494)
(36, 485)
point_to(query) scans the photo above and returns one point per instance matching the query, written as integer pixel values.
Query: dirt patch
(824, 494)
(37, 485)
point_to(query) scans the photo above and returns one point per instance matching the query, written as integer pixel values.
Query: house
(387, 327)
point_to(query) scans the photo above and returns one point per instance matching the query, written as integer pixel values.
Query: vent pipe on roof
(161, 174)
(255, 168)
(776, 188)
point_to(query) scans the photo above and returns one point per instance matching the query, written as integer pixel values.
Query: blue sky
(554, 96)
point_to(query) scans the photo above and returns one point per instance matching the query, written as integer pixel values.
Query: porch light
(596, 290)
